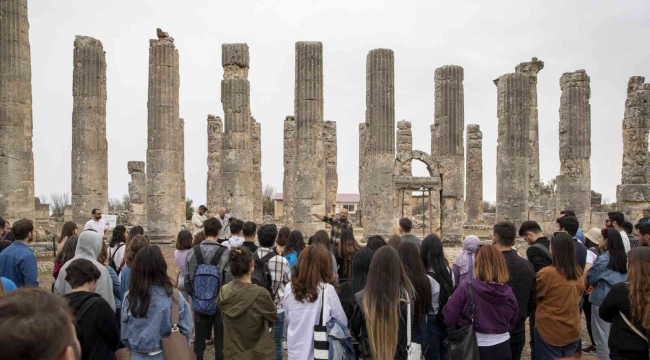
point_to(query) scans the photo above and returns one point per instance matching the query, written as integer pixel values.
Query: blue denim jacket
(117, 294)
(339, 340)
(602, 279)
(142, 335)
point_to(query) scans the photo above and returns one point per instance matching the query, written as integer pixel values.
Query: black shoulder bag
(462, 341)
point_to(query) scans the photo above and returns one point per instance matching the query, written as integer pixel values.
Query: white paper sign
(111, 220)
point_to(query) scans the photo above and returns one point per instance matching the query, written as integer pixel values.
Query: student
(578, 236)
(198, 238)
(117, 247)
(303, 300)
(294, 245)
(136, 244)
(345, 254)
(37, 325)
(610, 268)
(17, 261)
(442, 286)
(321, 237)
(183, 246)
(591, 243)
(463, 267)
(628, 228)
(70, 228)
(281, 242)
(248, 311)
(410, 256)
(570, 225)
(280, 276)
(147, 306)
(133, 232)
(249, 228)
(66, 253)
(616, 219)
(644, 235)
(237, 231)
(495, 305)
(380, 312)
(97, 327)
(559, 290)
(206, 322)
(522, 282)
(405, 227)
(630, 300)
(357, 281)
(89, 247)
(394, 241)
(375, 242)
(117, 293)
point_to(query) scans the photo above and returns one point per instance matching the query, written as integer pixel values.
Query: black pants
(203, 325)
(517, 341)
(587, 309)
(531, 322)
(496, 352)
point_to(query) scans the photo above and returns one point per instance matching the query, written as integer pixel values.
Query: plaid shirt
(338, 226)
(279, 267)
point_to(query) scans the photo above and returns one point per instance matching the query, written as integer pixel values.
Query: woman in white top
(303, 300)
(116, 248)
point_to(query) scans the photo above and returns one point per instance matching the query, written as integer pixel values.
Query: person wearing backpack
(97, 328)
(248, 311)
(206, 270)
(278, 267)
(116, 249)
(442, 286)
(522, 281)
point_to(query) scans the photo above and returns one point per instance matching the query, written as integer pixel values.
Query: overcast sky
(609, 39)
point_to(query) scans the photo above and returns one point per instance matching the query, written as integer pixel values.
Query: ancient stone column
(16, 157)
(309, 178)
(237, 166)
(181, 159)
(474, 183)
(163, 170)
(258, 199)
(289, 170)
(215, 133)
(362, 155)
(331, 176)
(513, 111)
(574, 182)
(447, 148)
(138, 193)
(380, 139)
(633, 195)
(531, 69)
(404, 143)
(89, 145)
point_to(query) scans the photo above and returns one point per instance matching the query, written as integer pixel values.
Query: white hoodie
(89, 245)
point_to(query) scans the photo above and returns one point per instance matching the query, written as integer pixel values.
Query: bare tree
(547, 188)
(126, 202)
(269, 193)
(57, 202)
(115, 204)
(489, 207)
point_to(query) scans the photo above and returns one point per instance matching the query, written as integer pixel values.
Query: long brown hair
(381, 301)
(347, 248)
(67, 230)
(313, 267)
(321, 237)
(563, 249)
(135, 244)
(490, 266)
(198, 238)
(638, 283)
(394, 241)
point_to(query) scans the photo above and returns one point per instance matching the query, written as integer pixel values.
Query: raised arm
(319, 217)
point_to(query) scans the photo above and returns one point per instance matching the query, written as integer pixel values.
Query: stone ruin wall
(331, 176)
(138, 193)
(213, 186)
(403, 199)
(289, 169)
(258, 198)
(474, 173)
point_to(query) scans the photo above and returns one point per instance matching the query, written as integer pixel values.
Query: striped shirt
(280, 275)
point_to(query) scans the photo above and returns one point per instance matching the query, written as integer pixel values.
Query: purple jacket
(495, 308)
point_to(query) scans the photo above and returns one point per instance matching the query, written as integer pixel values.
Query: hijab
(466, 259)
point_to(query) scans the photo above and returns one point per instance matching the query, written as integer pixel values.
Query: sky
(487, 38)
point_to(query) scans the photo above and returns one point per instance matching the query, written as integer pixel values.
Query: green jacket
(248, 313)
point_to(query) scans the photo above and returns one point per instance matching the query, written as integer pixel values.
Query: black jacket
(522, 282)
(97, 328)
(537, 256)
(347, 299)
(623, 342)
(358, 329)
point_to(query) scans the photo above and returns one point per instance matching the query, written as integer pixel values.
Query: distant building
(343, 201)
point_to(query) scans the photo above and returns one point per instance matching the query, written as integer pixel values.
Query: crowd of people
(325, 296)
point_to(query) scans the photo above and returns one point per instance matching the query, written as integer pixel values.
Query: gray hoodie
(89, 245)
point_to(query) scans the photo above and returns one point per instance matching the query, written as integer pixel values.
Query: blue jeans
(437, 350)
(546, 351)
(278, 330)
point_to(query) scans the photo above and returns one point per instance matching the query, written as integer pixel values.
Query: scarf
(470, 246)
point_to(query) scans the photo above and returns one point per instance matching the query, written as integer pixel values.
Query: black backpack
(262, 274)
(112, 263)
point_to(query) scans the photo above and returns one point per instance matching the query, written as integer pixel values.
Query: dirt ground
(46, 265)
